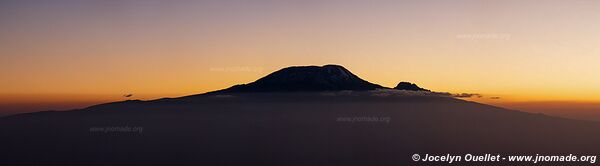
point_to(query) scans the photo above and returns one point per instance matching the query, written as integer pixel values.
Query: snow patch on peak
(338, 71)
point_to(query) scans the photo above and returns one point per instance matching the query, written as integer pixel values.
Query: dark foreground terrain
(383, 127)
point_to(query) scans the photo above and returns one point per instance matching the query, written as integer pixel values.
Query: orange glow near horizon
(96, 51)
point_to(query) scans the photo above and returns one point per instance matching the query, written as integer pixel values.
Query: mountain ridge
(306, 78)
(274, 128)
(410, 86)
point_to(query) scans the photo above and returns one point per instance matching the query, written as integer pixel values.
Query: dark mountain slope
(306, 79)
(286, 129)
(337, 120)
(409, 86)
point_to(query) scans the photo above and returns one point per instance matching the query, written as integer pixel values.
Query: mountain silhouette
(306, 78)
(304, 126)
(409, 86)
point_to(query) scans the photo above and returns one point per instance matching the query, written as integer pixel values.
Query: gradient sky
(97, 50)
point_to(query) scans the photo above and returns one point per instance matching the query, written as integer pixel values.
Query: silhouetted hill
(306, 79)
(299, 119)
(409, 86)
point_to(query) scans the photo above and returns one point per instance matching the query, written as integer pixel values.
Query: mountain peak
(306, 78)
(409, 86)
